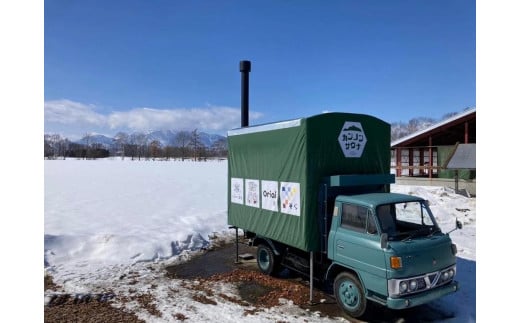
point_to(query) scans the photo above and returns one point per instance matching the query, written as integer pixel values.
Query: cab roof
(375, 199)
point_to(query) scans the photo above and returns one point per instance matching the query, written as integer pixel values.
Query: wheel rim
(263, 259)
(349, 295)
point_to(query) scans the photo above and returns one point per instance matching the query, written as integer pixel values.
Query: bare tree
(121, 139)
(54, 146)
(182, 141)
(169, 152)
(413, 125)
(138, 141)
(449, 115)
(155, 149)
(87, 139)
(219, 147)
(48, 146)
(195, 144)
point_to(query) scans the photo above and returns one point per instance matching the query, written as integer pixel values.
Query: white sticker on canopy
(270, 195)
(252, 192)
(290, 198)
(237, 190)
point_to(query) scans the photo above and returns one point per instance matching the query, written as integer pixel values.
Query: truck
(313, 195)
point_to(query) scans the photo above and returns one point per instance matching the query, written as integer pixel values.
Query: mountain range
(169, 137)
(165, 137)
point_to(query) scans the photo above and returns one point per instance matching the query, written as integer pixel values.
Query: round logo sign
(352, 139)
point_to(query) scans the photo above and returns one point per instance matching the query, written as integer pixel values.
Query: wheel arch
(335, 269)
(273, 245)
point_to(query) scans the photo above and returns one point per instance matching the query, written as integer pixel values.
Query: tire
(266, 260)
(350, 294)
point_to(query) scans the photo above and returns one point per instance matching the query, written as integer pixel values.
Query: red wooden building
(445, 150)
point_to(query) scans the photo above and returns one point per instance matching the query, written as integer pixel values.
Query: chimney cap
(245, 66)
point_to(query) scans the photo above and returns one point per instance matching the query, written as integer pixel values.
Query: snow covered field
(105, 219)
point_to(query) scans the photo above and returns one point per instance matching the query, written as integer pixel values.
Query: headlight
(451, 273)
(445, 276)
(413, 285)
(403, 287)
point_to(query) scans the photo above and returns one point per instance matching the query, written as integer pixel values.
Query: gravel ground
(65, 308)
(255, 288)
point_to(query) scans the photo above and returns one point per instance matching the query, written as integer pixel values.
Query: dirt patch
(203, 299)
(201, 274)
(48, 283)
(66, 309)
(255, 288)
(217, 260)
(262, 291)
(147, 301)
(252, 292)
(180, 317)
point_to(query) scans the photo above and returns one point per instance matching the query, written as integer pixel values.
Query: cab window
(357, 218)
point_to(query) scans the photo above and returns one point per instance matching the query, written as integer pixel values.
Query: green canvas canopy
(274, 170)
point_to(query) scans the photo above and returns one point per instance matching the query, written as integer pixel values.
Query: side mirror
(384, 240)
(458, 225)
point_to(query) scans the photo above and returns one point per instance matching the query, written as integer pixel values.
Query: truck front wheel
(266, 260)
(350, 295)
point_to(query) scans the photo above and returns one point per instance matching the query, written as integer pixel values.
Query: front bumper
(422, 298)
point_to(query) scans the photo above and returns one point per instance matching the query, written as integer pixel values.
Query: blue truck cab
(392, 249)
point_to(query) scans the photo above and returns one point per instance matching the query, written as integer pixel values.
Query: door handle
(340, 246)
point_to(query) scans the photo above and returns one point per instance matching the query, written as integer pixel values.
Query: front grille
(424, 282)
(432, 277)
(421, 284)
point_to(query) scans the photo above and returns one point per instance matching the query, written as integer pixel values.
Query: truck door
(357, 246)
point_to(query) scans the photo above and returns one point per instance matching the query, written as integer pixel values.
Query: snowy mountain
(168, 137)
(103, 140)
(165, 137)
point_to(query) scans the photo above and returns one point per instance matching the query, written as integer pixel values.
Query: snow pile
(112, 225)
(447, 207)
(122, 212)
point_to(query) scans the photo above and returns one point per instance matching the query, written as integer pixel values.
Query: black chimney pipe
(245, 68)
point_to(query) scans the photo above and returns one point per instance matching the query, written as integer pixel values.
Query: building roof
(446, 132)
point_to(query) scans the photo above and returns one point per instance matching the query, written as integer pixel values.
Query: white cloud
(70, 114)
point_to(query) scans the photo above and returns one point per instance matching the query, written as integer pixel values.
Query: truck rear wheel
(350, 294)
(267, 262)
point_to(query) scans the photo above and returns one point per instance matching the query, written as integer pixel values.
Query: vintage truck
(313, 194)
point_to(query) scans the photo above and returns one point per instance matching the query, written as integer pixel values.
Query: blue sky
(128, 65)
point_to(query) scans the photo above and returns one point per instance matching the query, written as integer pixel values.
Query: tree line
(402, 129)
(185, 145)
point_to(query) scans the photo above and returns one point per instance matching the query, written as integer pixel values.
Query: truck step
(246, 256)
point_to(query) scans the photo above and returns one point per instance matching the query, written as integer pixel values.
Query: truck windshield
(403, 221)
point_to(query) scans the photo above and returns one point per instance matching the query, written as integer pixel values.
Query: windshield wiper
(435, 230)
(413, 234)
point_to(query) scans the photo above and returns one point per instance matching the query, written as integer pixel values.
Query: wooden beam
(430, 152)
(466, 132)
